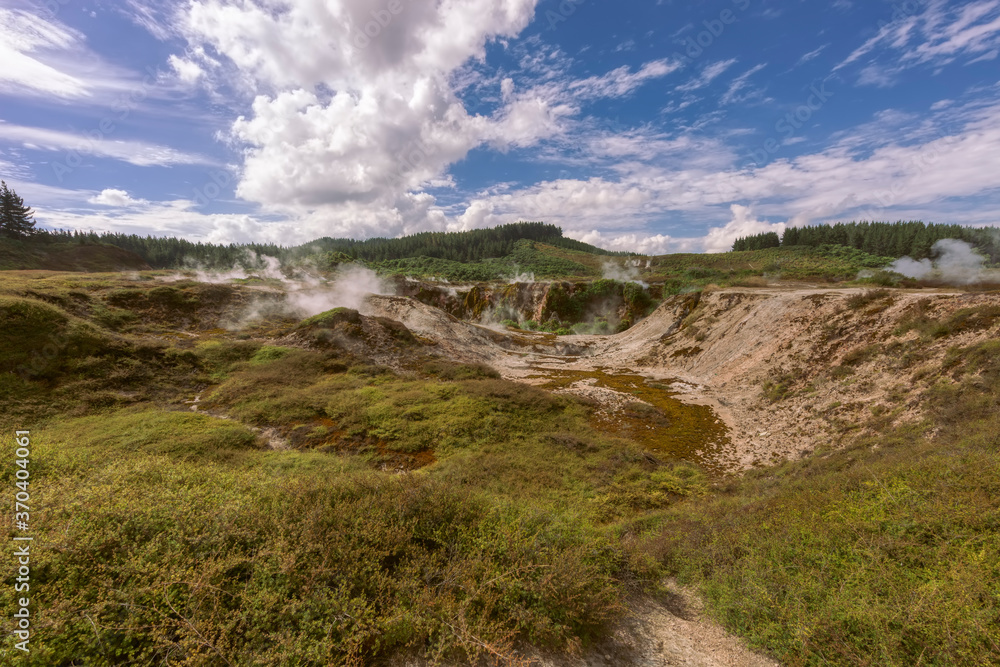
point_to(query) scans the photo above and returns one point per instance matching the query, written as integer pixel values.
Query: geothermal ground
(733, 351)
(731, 380)
(711, 369)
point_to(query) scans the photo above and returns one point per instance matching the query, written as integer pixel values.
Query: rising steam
(348, 289)
(956, 263)
(307, 292)
(625, 273)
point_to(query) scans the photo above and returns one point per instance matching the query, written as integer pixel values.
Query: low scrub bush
(918, 318)
(449, 370)
(866, 298)
(266, 563)
(331, 319)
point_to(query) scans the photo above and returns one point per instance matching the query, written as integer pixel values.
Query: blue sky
(658, 126)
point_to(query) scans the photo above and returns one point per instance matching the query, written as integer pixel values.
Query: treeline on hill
(479, 244)
(173, 253)
(887, 239)
(467, 246)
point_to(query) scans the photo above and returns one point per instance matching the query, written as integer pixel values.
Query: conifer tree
(16, 219)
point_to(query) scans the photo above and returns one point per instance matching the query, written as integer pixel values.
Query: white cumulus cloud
(743, 223)
(117, 198)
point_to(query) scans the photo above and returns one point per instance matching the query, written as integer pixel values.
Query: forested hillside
(467, 246)
(470, 246)
(887, 239)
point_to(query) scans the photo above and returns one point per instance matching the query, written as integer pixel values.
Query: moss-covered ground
(655, 419)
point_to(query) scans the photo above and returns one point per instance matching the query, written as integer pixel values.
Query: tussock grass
(182, 436)
(920, 318)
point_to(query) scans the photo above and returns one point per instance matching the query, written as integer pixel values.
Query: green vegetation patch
(268, 353)
(39, 340)
(919, 318)
(658, 421)
(178, 435)
(172, 535)
(331, 319)
(868, 297)
(290, 559)
(828, 263)
(601, 306)
(53, 255)
(525, 258)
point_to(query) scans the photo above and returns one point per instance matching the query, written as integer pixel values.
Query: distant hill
(471, 246)
(827, 263)
(525, 258)
(45, 253)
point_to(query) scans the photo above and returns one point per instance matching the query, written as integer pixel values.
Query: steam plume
(956, 263)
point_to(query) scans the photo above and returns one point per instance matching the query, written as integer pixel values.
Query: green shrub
(260, 563)
(331, 318)
(220, 357)
(449, 370)
(862, 299)
(182, 436)
(701, 273)
(860, 355)
(115, 319)
(975, 318)
(268, 353)
(38, 340)
(882, 278)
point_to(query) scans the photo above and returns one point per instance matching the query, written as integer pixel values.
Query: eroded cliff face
(486, 302)
(566, 303)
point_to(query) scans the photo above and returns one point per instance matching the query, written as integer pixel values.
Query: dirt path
(669, 632)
